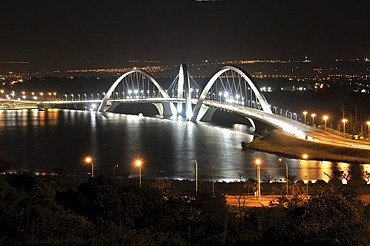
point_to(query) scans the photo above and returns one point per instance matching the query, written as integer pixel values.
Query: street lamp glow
(139, 164)
(304, 116)
(287, 175)
(258, 165)
(220, 95)
(89, 161)
(325, 118)
(344, 121)
(313, 119)
(305, 156)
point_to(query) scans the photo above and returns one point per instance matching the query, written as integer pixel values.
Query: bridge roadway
(290, 126)
(293, 127)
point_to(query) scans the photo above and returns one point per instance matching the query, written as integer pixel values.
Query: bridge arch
(261, 98)
(108, 94)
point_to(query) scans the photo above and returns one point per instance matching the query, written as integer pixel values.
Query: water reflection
(46, 140)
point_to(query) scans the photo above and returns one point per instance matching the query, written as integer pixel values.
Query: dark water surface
(42, 141)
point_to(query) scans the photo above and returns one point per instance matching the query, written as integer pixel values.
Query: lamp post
(196, 175)
(325, 118)
(313, 119)
(88, 160)
(308, 180)
(138, 164)
(258, 165)
(368, 129)
(344, 121)
(114, 172)
(287, 175)
(305, 157)
(213, 181)
(304, 116)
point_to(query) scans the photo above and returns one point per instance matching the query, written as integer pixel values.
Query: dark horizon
(300, 68)
(65, 35)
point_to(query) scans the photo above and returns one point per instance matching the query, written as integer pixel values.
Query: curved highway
(293, 127)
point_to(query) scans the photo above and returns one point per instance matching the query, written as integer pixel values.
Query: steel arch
(261, 98)
(113, 87)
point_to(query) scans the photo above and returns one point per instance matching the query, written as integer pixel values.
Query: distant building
(306, 59)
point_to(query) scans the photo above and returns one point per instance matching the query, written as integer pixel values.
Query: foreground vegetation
(101, 211)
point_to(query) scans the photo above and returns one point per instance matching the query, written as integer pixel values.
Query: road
(293, 127)
(250, 201)
(317, 135)
(253, 201)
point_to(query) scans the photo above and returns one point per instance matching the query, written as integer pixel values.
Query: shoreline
(281, 144)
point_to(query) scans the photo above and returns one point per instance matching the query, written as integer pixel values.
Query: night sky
(84, 34)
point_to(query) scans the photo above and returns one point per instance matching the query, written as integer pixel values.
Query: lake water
(42, 141)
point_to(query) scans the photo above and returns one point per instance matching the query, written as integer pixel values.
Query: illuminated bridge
(229, 89)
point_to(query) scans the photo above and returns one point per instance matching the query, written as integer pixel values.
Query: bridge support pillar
(165, 108)
(206, 113)
(185, 83)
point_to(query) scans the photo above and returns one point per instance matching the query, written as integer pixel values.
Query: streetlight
(196, 175)
(88, 160)
(287, 176)
(308, 180)
(138, 164)
(305, 157)
(344, 121)
(313, 119)
(304, 116)
(213, 181)
(368, 129)
(114, 172)
(258, 165)
(325, 118)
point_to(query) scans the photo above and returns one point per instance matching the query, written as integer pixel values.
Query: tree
(210, 219)
(31, 215)
(163, 185)
(334, 218)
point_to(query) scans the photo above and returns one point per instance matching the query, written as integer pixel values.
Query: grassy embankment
(280, 143)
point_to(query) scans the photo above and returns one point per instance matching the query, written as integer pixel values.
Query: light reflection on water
(45, 140)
